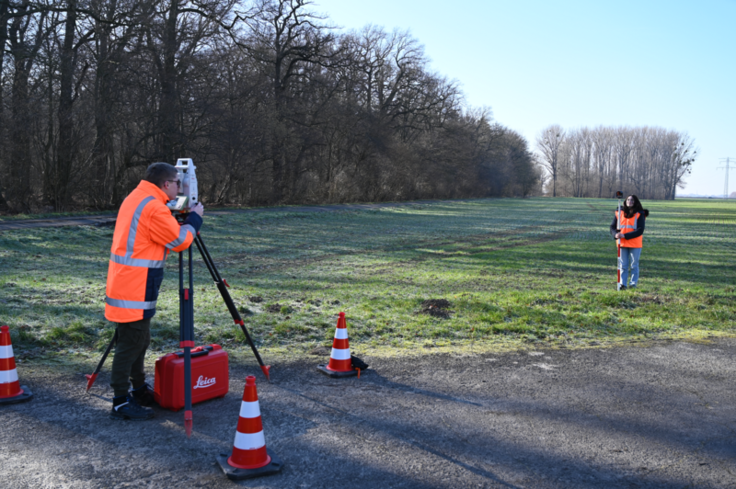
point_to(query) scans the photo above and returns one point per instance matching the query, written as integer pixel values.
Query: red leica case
(210, 376)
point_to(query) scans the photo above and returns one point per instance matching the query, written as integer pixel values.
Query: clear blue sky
(670, 64)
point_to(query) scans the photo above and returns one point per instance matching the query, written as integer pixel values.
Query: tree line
(650, 162)
(273, 104)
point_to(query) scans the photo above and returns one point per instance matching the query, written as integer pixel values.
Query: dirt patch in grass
(438, 308)
(320, 351)
(551, 272)
(649, 298)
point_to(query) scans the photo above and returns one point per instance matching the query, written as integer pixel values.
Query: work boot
(144, 395)
(126, 407)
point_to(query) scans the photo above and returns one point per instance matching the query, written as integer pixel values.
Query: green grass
(518, 273)
(9, 218)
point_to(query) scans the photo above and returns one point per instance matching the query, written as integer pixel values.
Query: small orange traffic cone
(10, 389)
(250, 458)
(341, 364)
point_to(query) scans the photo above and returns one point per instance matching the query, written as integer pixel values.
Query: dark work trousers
(130, 351)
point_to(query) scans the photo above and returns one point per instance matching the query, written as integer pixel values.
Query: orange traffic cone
(250, 458)
(10, 389)
(341, 364)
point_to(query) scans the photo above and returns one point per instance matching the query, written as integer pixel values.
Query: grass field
(517, 273)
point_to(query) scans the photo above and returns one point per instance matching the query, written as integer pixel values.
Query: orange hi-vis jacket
(629, 225)
(145, 231)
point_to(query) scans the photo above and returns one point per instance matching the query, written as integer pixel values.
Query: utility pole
(727, 165)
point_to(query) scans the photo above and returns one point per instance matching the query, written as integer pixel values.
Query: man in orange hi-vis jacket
(145, 232)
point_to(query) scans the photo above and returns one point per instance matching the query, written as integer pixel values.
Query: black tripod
(186, 325)
(186, 313)
(222, 286)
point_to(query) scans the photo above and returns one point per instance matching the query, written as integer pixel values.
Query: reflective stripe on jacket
(629, 225)
(145, 231)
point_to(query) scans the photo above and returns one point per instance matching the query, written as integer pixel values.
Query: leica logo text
(203, 382)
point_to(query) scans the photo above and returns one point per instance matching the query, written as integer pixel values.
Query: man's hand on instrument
(198, 209)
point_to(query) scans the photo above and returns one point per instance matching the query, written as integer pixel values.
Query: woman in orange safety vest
(628, 227)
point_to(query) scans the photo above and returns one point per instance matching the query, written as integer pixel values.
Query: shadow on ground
(660, 416)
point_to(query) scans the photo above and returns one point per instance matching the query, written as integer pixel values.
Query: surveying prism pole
(186, 336)
(619, 196)
(222, 286)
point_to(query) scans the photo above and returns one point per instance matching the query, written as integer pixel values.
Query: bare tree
(682, 157)
(602, 138)
(285, 36)
(579, 145)
(273, 105)
(648, 161)
(5, 17)
(116, 26)
(549, 142)
(58, 177)
(26, 35)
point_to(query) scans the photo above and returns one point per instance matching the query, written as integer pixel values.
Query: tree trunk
(19, 193)
(66, 144)
(170, 141)
(102, 148)
(4, 19)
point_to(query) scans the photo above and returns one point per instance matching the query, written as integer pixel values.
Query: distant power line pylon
(727, 165)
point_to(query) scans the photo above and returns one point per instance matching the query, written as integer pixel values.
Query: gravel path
(659, 416)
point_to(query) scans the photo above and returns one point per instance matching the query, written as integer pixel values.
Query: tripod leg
(222, 287)
(92, 377)
(186, 336)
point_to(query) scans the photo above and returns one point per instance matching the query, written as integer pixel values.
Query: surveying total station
(185, 200)
(188, 195)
